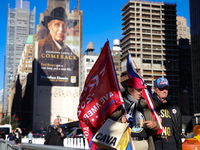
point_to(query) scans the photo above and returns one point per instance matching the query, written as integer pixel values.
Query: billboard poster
(58, 49)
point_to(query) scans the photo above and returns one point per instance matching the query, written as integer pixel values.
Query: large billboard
(56, 66)
(58, 52)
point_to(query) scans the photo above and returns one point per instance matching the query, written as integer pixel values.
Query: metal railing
(69, 144)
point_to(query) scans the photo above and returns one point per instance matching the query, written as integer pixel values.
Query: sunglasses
(164, 88)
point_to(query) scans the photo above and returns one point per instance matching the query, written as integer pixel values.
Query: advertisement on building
(57, 60)
(58, 53)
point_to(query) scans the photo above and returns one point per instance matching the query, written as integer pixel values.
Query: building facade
(1, 105)
(195, 51)
(150, 34)
(18, 101)
(20, 24)
(183, 31)
(87, 62)
(25, 65)
(185, 74)
(116, 55)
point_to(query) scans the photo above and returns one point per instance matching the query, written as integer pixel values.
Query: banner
(58, 49)
(145, 93)
(56, 64)
(101, 95)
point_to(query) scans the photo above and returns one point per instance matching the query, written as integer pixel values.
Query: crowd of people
(15, 136)
(143, 127)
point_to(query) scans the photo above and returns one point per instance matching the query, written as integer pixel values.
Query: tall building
(116, 55)
(195, 51)
(1, 96)
(185, 77)
(150, 34)
(183, 31)
(1, 105)
(87, 62)
(24, 68)
(25, 65)
(185, 71)
(20, 24)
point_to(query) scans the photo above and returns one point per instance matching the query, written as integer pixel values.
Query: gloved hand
(130, 120)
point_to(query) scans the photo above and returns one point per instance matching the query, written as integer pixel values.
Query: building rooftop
(29, 39)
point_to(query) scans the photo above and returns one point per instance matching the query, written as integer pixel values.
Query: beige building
(183, 31)
(149, 33)
(25, 65)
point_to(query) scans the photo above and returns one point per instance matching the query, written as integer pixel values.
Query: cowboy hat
(59, 14)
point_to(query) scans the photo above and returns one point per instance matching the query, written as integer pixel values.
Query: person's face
(58, 30)
(162, 93)
(135, 93)
(56, 123)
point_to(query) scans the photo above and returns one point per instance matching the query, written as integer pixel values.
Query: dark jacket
(147, 113)
(11, 136)
(56, 67)
(176, 118)
(53, 137)
(3, 136)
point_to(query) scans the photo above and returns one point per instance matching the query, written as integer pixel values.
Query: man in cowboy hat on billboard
(58, 65)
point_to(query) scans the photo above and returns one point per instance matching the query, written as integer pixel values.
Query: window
(116, 64)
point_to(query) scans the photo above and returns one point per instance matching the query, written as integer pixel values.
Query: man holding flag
(101, 97)
(143, 125)
(146, 94)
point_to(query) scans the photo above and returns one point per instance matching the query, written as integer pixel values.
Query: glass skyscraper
(20, 24)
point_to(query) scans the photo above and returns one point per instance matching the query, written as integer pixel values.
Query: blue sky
(101, 21)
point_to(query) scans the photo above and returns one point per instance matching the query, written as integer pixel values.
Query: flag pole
(150, 98)
(132, 145)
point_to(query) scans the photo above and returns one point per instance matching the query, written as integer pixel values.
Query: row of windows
(27, 68)
(89, 60)
(28, 65)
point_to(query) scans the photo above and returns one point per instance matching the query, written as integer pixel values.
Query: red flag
(146, 95)
(100, 97)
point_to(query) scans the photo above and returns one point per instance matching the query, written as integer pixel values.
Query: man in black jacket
(171, 117)
(55, 135)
